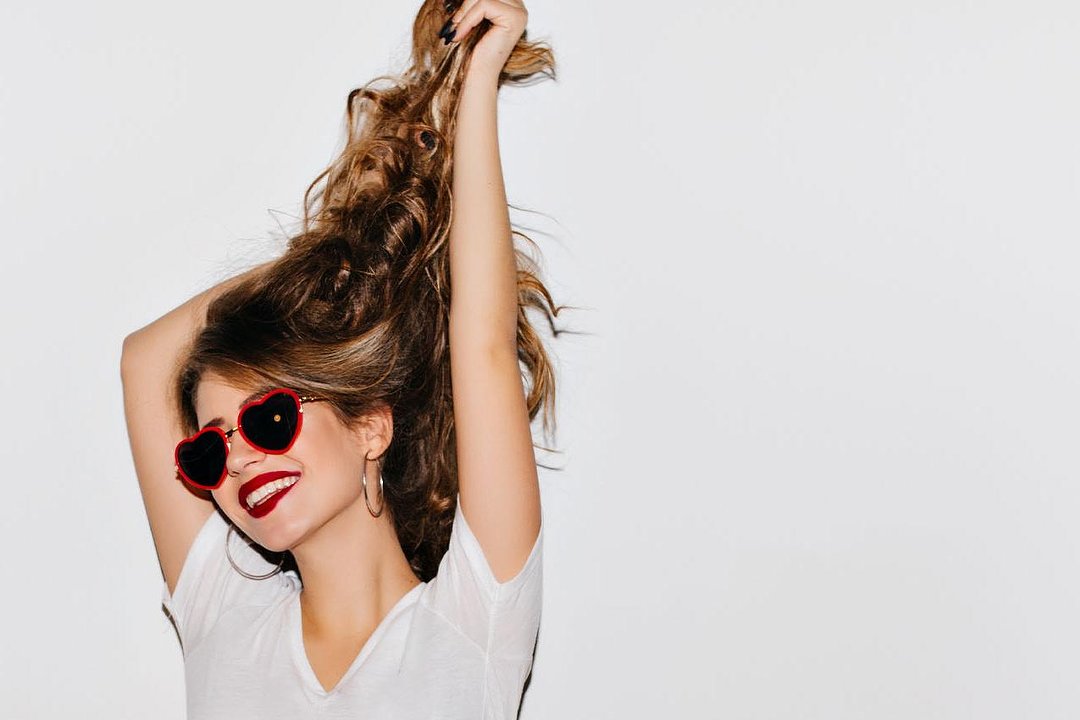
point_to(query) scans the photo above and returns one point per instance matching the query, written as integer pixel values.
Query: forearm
(483, 307)
(174, 329)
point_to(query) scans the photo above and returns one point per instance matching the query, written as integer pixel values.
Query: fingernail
(446, 28)
(449, 5)
(450, 38)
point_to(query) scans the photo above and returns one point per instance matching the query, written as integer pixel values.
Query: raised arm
(147, 364)
(500, 495)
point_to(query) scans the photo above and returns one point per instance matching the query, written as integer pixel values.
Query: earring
(363, 483)
(248, 575)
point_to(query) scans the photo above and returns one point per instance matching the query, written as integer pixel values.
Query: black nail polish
(449, 6)
(450, 38)
(446, 28)
(428, 139)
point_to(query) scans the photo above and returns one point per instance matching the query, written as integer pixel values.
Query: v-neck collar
(296, 630)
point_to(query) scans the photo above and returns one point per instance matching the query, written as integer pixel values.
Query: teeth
(269, 489)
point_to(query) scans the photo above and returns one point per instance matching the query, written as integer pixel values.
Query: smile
(262, 493)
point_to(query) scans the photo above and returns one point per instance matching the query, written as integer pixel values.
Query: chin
(272, 536)
(282, 536)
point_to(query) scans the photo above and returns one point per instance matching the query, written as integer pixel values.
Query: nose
(241, 455)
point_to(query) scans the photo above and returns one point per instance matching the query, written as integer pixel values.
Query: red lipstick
(264, 507)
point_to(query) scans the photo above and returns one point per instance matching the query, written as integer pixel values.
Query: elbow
(130, 353)
(489, 337)
(126, 352)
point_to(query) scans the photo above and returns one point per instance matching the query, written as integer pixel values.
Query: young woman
(334, 448)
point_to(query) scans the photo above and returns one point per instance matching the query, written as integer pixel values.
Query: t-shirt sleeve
(501, 618)
(209, 586)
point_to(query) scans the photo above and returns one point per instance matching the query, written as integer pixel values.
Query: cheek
(225, 497)
(329, 454)
(324, 443)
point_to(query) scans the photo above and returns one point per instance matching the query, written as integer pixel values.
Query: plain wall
(819, 426)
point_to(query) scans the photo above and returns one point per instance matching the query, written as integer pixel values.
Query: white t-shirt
(456, 648)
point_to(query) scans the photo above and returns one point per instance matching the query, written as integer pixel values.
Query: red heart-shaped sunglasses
(270, 424)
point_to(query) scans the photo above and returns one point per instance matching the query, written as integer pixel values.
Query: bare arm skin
(147, 366)
(497, 470)
(500, 493)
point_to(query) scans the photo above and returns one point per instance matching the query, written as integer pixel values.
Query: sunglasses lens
(202, 458)
(272, 424)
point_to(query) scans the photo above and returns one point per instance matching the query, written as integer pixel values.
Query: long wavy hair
(356, 310)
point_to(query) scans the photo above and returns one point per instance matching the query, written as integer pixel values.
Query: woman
(334, 448)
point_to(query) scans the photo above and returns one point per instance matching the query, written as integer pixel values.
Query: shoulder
(212, 581)
(466, 594)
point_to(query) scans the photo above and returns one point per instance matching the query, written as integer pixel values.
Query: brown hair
(356, 310)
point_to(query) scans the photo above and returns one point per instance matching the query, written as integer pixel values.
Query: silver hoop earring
(363, 483)
(248, 575)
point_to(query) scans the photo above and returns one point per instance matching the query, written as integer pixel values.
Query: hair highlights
(356, 310)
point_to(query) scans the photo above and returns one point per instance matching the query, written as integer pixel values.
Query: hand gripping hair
(356, 310)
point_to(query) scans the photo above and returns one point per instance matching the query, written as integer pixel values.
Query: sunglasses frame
(226, 435)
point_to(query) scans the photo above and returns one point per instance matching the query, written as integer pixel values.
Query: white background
(819, 430)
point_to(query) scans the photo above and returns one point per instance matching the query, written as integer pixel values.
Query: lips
(259, 481)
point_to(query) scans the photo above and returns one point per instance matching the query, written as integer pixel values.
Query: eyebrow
(220, 421)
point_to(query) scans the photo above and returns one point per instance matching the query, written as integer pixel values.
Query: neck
(353, 571)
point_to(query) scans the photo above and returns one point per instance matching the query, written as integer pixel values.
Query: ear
(375, 431)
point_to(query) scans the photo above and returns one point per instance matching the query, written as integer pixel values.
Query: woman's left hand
(507, 17)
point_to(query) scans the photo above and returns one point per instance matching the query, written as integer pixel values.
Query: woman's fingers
(509, 16)
(461, 22)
